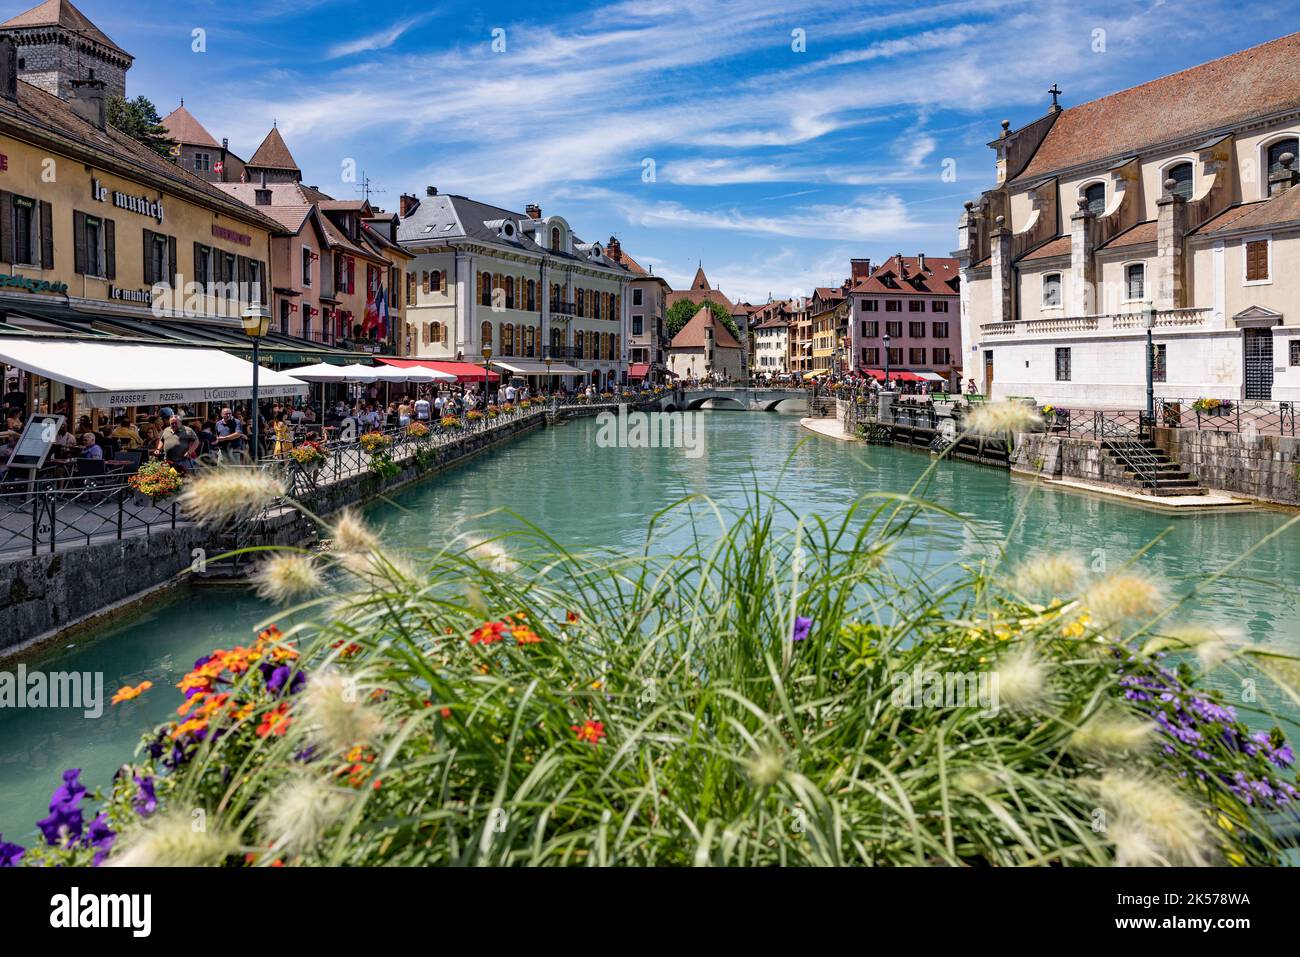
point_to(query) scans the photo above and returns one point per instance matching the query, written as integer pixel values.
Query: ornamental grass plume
(1153, 823)
(1045, 574)
(1001, 418)
(350, 535)
(1126, 596)
(288, 576)
(1021, 680)
(1112, 734)
(300, 813)
(173, 841)
(491, 556)
(1213, 644)
(334, 714)
(230, 494)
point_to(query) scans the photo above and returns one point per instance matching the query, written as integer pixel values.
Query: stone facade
(52, 58)
(1266, 467)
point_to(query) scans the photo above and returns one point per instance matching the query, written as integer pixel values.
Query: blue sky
(773, 165)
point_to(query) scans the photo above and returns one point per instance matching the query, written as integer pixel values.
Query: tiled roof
(701, 281)
(273, 153)
(184, 128)
(45, 118)
(1134, 235)
(699, 296)
(902, 276)
(1259, 81)
(776, 322)
(1283, 208)
(692, 334)
(1060, 246)
(829, 293)
(63, 14)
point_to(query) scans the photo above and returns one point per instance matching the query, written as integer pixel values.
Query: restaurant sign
(32, 285)
(114, 400)
(221, 232)
(153, 208)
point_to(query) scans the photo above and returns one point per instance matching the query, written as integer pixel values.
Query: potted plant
(418, 431)
(158, 482)
(309, 456)
(450, 423)
(1210, 406)
(376, 443)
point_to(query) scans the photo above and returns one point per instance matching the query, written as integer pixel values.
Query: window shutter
(424, 280)
(6, 227)
(198, 259)
(149, 278)
(171, 261)
(263, 277)
(110, 247)
(352, 274)
(79, 243)
(1256, 260)
(47, 236)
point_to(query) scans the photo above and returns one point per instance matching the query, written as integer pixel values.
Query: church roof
(692, 335)
(61, 13)
(272, 154)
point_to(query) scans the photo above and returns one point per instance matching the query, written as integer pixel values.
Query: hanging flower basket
(1212, 406)
(308, 456)
(156, 484)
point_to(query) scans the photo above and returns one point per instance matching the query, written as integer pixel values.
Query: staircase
(1147, 466)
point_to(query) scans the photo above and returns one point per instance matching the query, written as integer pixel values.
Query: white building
(1176, 196)
(771, 346)
(523, 284)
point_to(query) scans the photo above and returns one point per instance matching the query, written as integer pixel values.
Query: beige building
(649, 303)
(1175, 196)
(705, 347)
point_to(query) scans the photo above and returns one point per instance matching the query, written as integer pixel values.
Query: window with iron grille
(1051, 290)
(1295, 352)
(1063, 364)
(916, 330)
(893, 329)
(1135, 277)
(1158, 367)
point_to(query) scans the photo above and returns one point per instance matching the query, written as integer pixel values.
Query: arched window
(508, 339)
(555, 237)
(580, 301)
(485, 289)
(486, 333)
(1276, 150)
(557, 341)
(532, 295)
(435, 281)
(1182, 177)
(596, 302)
(1135, 281)
(1096, 198)
(510, 292)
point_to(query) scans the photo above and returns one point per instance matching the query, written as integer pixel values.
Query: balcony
(1172, 319)
(563, 309)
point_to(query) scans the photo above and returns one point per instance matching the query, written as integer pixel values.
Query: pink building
(915, 302)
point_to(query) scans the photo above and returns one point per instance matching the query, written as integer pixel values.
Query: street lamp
(886, 362)
(487, 373)
(256, 320)
(548, 360)
(1149, 321)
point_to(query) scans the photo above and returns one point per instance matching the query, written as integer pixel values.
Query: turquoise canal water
(585, 495)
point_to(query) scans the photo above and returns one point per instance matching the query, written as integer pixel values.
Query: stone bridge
(751, 399)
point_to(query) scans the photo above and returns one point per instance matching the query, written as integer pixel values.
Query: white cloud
(377, 41)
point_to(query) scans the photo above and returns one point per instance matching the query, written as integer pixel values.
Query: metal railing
(77, 512)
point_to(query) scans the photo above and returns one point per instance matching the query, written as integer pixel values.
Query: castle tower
(58, 45)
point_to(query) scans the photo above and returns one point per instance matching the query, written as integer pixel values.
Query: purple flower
(10, 854)
(802, 628)
(64, 822)
(100, 836)
(145, 800)
(70, 791)
(277, 675)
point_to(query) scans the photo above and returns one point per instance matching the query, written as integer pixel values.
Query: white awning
(932, 377)
(320, 372)
(122, 373)
(533, 367)
(411, 374)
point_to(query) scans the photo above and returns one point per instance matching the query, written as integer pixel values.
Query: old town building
(58, 46)
(199, 152)
(771, 338)
(908, 305)
(705, 347)
(701, 291)
(522, 284)
(649, 297)
(828, 311)
(1171, 204)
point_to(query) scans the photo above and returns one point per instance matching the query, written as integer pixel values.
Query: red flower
(571, 617)
(489, 633)
(589, 731)
(276, 721)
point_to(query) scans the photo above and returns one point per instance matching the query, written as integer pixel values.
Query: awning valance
(122, 373)
(932, 377)
(533, 367)
(463, 371)
(639, 370)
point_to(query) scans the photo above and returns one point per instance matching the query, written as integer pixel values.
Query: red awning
(875, 373)
(906, 377)
(639, 370)
(463, 371)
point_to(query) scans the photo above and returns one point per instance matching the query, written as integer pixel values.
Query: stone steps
(1149, 467)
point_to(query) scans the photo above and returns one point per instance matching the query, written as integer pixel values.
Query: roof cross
(1055, 91)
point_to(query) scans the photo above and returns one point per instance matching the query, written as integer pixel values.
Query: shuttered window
(1257, 260)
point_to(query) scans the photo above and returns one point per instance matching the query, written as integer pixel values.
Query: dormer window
(262, 197)
(1182, 177)
(1095, 198)
(555, 238)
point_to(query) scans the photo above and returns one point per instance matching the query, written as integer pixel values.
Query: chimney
(408, 204)
(1284, 178)
(859, 269)
(1171, 249)
(430, 191)
(902, 265)
(225, 143)
(88, 102)
(8, 68)
(533, 210)
(920, 261)
(614, 249)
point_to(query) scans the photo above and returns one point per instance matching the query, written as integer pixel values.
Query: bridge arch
(730, 399)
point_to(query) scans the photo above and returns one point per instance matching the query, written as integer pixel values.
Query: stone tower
(58, 45)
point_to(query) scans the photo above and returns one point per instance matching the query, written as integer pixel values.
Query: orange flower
(526, 636)
(127, 693)
(190, 702)
(590, 731)
(276, 721)
(189, 727)
(571, 617)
